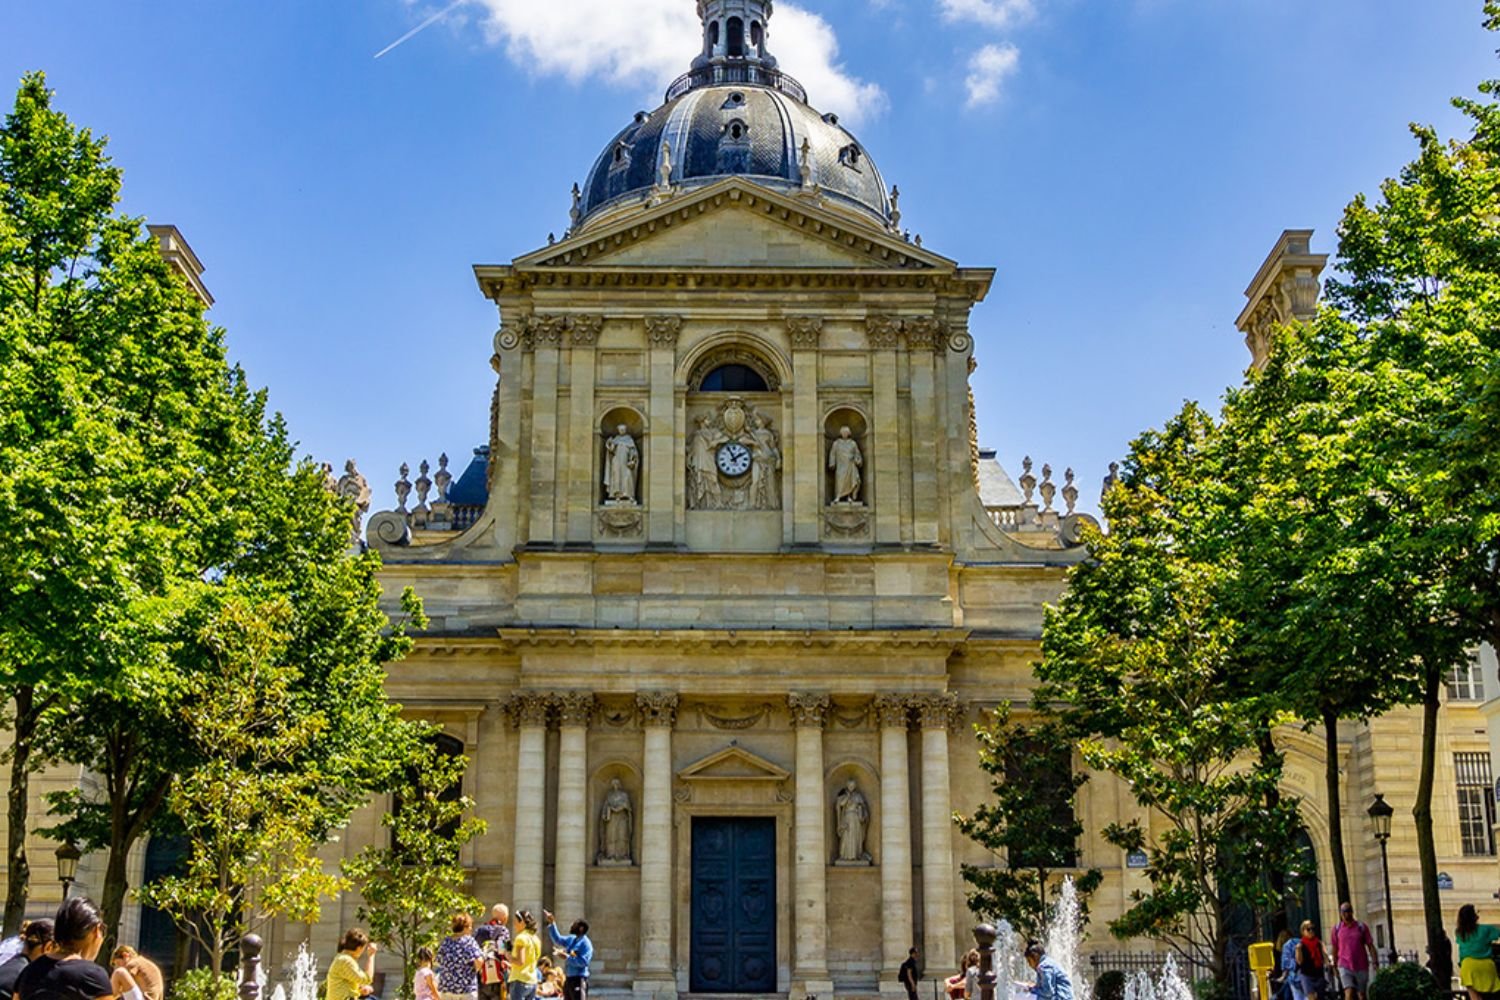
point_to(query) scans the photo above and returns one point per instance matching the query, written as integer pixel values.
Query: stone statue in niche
(616, 828)
(845, 459)
(622, 459)
(851, 822)
(734, 460)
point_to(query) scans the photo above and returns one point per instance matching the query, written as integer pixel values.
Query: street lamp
(1380, 813)
(67, 865)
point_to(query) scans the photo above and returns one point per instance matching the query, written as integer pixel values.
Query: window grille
(1476, 803)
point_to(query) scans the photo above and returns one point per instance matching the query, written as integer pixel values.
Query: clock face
(733, 459)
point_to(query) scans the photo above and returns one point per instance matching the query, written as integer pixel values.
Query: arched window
(733, 378)
(757, 35)
(713, 36)
(736, 47)
(448, 746)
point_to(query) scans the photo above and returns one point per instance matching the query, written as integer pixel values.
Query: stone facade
(740, 553)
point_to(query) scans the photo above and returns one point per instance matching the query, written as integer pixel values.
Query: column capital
(657, 708)
(546, 331)
(575, 708)
(528, 708)
(804, 331)
(892, 711)
(583, 331)
(937, 711)
(808, 710)
(662, 331)
(883, 332)
(923, 332)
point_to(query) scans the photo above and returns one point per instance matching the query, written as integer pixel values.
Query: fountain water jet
(304, 975)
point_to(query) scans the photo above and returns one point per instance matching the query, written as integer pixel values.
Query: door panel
(733, 906)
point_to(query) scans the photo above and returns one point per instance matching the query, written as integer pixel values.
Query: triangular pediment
(736, 223)
(733, 763)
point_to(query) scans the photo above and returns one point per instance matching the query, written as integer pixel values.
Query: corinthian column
(574, 711)
(935, 714)
(528, 712)
(809, 851)
(896, 925)
(658, 713)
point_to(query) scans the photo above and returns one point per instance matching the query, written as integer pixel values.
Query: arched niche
(859, 432)
(867, 786)
(601, 786)
(735, 435)
(609, 443)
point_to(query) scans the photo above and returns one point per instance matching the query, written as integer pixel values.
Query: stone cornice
(513, 639)
(737, 193)
(499, 281)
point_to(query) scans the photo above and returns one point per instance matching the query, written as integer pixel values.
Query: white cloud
(997, 14)
(988, 70)
(652, 41)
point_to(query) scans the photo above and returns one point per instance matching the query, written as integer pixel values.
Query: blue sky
(1125, 164)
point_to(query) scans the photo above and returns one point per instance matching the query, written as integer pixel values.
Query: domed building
(716, 608)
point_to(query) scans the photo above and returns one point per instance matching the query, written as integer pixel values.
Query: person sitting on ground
(424, 980)
(1052, 983)
(578, 954)
(346, 980)
(1476, 962)
(68, 971)
(36, 936)
(545, 987)
(957, 986)
(145, 973)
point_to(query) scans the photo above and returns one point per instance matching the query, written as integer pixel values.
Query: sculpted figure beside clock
(733, 460)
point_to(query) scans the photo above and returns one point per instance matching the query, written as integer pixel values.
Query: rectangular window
(1466, 683)
(1476, 803)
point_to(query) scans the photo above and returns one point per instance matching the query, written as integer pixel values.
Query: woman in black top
(69, 972)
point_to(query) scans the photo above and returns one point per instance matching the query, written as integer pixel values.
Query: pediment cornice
(803, 215)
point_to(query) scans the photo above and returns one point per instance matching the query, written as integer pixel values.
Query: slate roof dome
(735, 113)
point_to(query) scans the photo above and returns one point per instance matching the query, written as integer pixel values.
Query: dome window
(831, 118)
(850, 156)
(621, 158)
(733, 378)
(734, 148)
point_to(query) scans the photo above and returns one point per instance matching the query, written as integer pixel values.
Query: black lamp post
(67, 865)
(1380, 813)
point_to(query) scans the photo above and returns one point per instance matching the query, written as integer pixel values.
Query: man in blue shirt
(1052, 982)
(580, 952)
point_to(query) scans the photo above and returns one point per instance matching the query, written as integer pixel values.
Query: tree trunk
(1432, 907)
(116, 884)
(1277, 879)
(1335, 805)
(18, 884)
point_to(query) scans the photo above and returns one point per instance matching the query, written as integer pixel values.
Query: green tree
(262, 794)
(1142, 665)
(106, 385)
(411, 886)
(1030, 825)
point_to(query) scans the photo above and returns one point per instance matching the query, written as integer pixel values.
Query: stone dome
(758, 130)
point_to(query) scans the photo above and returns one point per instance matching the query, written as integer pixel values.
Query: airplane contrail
(419, 28)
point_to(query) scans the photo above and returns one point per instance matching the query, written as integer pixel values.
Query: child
(425, 981)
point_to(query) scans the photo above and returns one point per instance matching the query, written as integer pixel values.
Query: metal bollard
(250, 946)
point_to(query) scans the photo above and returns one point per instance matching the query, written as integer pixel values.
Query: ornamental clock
(733, 459)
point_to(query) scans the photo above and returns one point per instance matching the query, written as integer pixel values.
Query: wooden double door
(733, 905)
